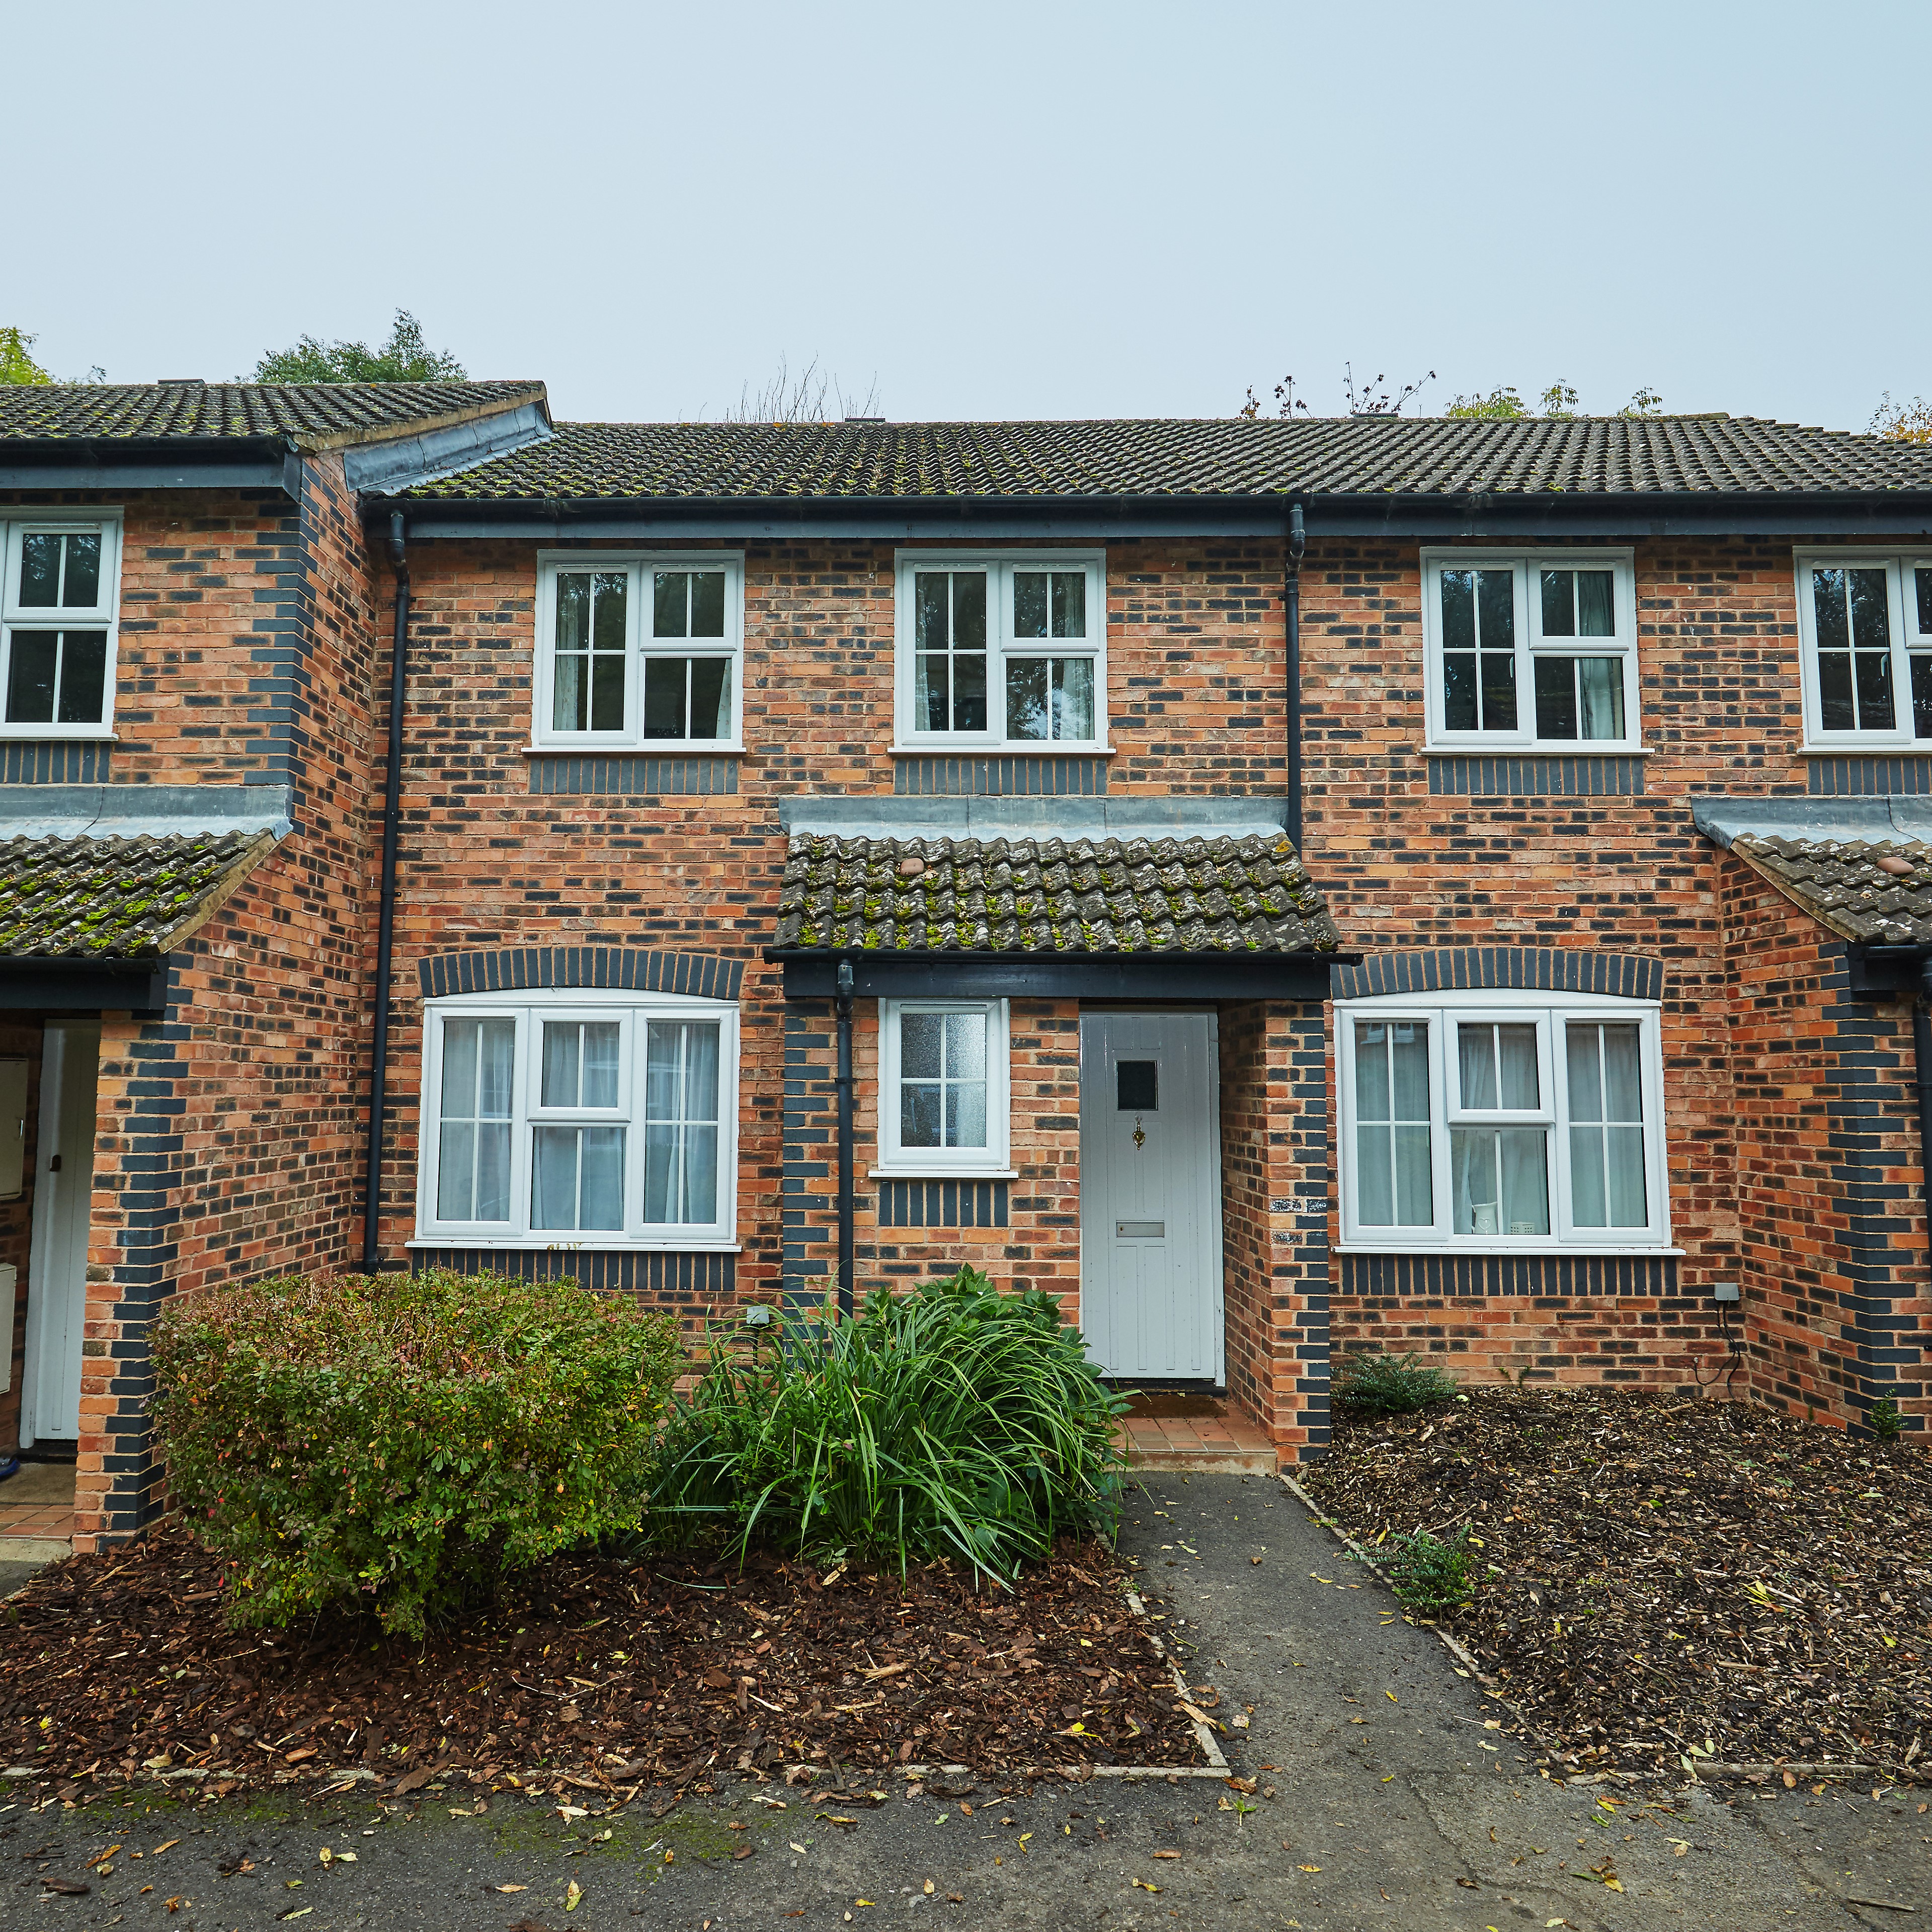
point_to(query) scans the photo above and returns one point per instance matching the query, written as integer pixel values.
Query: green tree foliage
(404, 358)
(1558, 403)
(395, 1442)
(17, 366)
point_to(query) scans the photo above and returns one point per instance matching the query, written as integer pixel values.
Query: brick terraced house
(1280, 887)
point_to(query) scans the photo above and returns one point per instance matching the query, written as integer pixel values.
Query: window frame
(639, 646)
(1907, 641)
(1531, 646)
(529, 1010)
(1001, 566)
(990, 1163)
(17, 522)
(1552, 1011)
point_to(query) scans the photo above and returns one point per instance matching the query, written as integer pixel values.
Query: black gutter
(843, 1084)
(1477, 514)
(385, 920)
(86, 985)
(894, 973)
(1297, 542)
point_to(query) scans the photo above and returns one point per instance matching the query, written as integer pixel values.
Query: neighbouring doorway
(1151, 1196)
(63, 1212)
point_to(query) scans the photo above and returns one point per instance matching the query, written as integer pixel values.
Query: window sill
(1026, 749)
(1568, 747)
(927, 1173)
(1538, 1250)
(1908, 747)
(655, 748)
(47, 734)
(616, 1244)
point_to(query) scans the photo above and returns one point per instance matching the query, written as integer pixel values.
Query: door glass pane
(1137, 1086)
(83, 677)
(33, 658)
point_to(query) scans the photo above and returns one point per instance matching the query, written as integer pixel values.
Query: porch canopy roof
(88, 922)
(1114, 909)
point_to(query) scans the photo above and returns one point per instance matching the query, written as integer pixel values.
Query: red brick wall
(1830, 1202)
(19, 1040)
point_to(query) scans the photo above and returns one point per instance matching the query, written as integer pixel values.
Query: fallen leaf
(1311, 1867)
(1391, 1696)
(797, 1847)
(167, 1845)
(1167, 1855)
(1144, 1886)
(929, 1887)
(573, 1896)
(742, 1852)
(68, 1887)
(509, 1888)
(300, 1752)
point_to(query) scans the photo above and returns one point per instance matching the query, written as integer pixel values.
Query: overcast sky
(990, 210)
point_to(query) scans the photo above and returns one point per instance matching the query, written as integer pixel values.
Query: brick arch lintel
(1568, 969)
(633, 969)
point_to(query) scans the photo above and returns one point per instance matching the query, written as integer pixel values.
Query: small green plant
(1428, 1574)
(953, 1420)
(395, 1442)
(1391, 1385)
(1887, 1424)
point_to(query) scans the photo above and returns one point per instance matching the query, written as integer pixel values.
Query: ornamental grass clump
(394, 1443)
(1391, 1385)
(1431, 1573)
(953, 1420)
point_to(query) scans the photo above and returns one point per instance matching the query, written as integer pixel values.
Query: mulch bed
(589, 1676)
(1660, 1580)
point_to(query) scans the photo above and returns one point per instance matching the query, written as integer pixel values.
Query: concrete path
(1400, 1811)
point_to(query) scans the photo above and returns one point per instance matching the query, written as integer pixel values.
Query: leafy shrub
(394, 1441)
(953, 1419)
(1887, 1424)
(1391, 1385)
(1428, 1574)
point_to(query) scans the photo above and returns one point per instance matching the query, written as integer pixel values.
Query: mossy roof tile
(116, 898)
(1220, 894)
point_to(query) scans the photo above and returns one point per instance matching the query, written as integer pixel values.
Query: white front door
(1150, 1196)
(63, 1212)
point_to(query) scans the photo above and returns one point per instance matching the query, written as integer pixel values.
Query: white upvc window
(1499, 1121)
(943, 1092)
(567, 1119)
(1532, 650)
(639, 651)
(1009, 652)
(60, 600)
(1864, 619)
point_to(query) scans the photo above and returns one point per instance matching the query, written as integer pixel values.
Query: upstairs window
(59, 600)
(1507, 1121)
(1531, 652)
(639, 651)
(1005, 652)
(1865, 622)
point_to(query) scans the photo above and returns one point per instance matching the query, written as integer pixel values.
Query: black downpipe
(1297, 542)
(843, 1084)
(385, 920)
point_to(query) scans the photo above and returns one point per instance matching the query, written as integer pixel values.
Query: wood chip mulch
(1659, 1581)
(589, 1678)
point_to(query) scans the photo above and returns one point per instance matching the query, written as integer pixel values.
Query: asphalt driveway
(1393, 1804)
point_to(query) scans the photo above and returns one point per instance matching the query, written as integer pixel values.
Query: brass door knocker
(1140, 1132)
